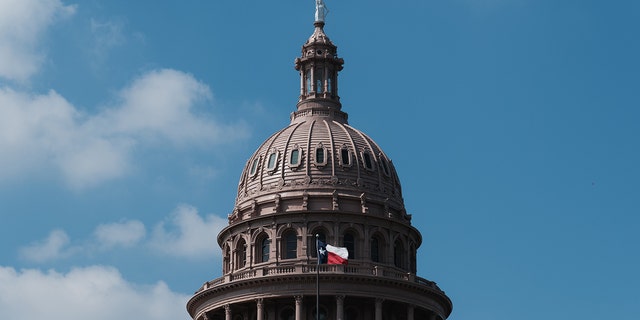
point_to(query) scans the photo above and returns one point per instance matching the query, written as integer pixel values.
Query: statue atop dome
(321, 10)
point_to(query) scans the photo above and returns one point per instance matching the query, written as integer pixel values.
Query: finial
(321, 11)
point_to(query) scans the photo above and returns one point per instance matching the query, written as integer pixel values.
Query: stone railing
(376, 271)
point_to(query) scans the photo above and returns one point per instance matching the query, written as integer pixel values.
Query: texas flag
(332, 255)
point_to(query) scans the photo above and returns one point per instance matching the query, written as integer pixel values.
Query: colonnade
(299, 310)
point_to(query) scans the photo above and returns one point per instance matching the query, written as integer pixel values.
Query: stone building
(319, 176)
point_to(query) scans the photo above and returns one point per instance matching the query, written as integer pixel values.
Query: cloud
(124, 234)
(55, 246)
(22, 23)
(95, 292)
(159, 108)
(186, 234)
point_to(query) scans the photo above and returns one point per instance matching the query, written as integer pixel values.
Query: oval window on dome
(321, 155)
(294, 158)
(367, 161)
(384, 165)
(345, 157)
(272, 161)
(254, 167)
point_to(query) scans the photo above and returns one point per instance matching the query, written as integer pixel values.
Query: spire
(319, 66)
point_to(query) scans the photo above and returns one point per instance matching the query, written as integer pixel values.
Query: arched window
(263, 248)
(227, 260)
(290, 245)
(375, 249)
(350, 244)
(398, 254)
(241, 254)
(412, 258)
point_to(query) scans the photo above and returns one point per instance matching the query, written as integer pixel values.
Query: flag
(332, 255)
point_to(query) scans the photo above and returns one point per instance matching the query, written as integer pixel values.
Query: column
(227, 312)
(340, 307)
(260, 308)
(298, 307)
(410, 309)
(379, 308)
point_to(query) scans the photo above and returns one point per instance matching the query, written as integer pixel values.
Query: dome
(320, 163)
(315, 184)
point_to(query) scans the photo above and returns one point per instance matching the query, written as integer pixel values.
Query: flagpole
(317, 278)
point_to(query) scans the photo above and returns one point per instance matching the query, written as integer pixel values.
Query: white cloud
(161, 104)
(95, 292)
(56, 246)
(22, 23)
(47, 132)
(124, 234)
(187, 234)
(184, 234)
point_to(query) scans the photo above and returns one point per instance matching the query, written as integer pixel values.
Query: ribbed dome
(327, 160)
(319, 162)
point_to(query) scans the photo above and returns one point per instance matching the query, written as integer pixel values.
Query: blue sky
(513, 124)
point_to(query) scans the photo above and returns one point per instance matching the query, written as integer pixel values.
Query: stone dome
(328, 162)
(319, 180)
(319, 162)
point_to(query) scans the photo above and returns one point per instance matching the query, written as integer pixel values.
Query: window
(322, 315)
(349, 243)
(241, 254)
(273, 160)
(375, 250)
(412, 258)
(319, 75)
(351, 314)
(264, 249)
(290, 245)
(294, 158)
(366, 157)
(307, 75)
(385, 166)
(398, 254)
(287, 314)
(329, 87)
(321, 157)
(254, 166)
(227, 260)
(345, 157)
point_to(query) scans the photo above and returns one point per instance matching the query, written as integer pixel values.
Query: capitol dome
(335, 166)
(319, 180)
